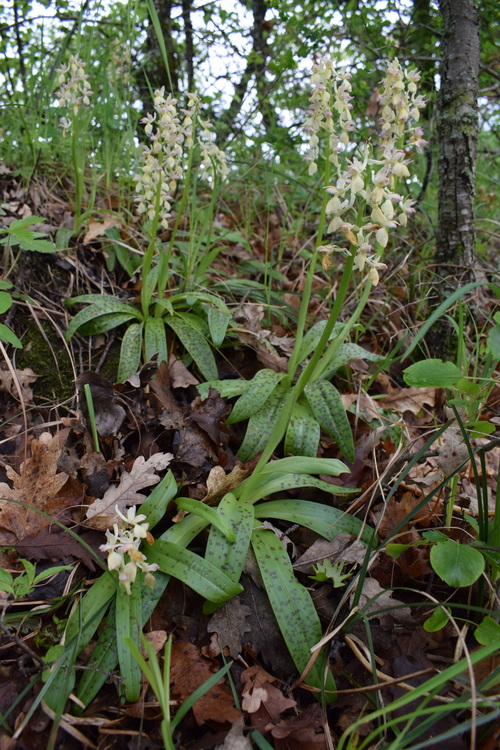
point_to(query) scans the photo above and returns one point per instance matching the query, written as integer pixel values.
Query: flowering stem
(163, 273)
(294, 360)
(146, 291)
(78, 169)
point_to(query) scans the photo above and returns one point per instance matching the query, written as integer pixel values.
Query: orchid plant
(360, 208)
(175, 136)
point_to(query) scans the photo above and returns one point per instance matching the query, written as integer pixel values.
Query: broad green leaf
(323, 519)
(303, 431)
(104, 656)
(210, 515)
(438, 619)
(481, 429)
(149, 285)
(155, 339)
(193, 570)
(104, 306)
(90, 299)
(257, 391)
(326, 404)
(128, 622)
(155, 505)
(230, 558)
(36, 245)
(85, 619)
(226, 388)
(194, 342)
(306, 465)
(494, 341)
(488, 631)
(130, 351)
(267, 485)
(218, 321)
(432, 373)
(261, 424)
(9, 337)
(347, 352)
(457, 564)
(5, 302)
(105, 323)
(292, 604)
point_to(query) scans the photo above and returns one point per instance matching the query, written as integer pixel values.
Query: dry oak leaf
(37, 485)
(259, 690)
(189, 671)
(98, 229)
(229, 622)
(102, 513)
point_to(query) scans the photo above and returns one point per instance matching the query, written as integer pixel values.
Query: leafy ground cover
(242, 505)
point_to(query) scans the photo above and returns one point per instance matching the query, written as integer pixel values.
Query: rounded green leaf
(488, 631)
(457, 564)
(9, 337)
(433, 373)
(494, 341)
(5, 302)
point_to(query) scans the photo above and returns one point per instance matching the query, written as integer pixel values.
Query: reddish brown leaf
(189, 671)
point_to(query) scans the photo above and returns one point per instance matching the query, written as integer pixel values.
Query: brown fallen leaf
(25, 378)
(229, 622)
(102, 513)
(37, 485)
(374, 599)
(190, 670)
(259, 691)
(98, 229)
(108, 413)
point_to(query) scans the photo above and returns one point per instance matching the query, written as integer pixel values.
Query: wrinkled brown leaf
(189, 671)
(37, 485)
(229, 622)
(259, 690)
(98, 229)
(383, 600)
(102, 513)
(109, 414)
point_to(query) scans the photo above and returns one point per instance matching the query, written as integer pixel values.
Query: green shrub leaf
(432, 373)
(457, 564)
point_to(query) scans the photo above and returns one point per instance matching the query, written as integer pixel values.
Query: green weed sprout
(176, 135)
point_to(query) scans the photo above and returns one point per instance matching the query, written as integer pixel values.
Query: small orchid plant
(123, 545)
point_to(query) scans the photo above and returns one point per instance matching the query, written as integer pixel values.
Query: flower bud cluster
(75, 88)
(328, 94)
(364, 205)
(123, 549)
(162, 162)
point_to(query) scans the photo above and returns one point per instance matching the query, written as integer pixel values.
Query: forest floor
(159, 411)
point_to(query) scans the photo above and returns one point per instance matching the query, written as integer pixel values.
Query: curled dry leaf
(102, 513)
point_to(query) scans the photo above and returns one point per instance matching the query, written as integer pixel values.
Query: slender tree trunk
(457, 133)
(188, 31)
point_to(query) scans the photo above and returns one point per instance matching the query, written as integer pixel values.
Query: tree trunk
(457, 133)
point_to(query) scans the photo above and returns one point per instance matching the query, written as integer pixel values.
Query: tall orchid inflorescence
(364, 205)
(123, 549)
(75, 88)
(163, 161)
